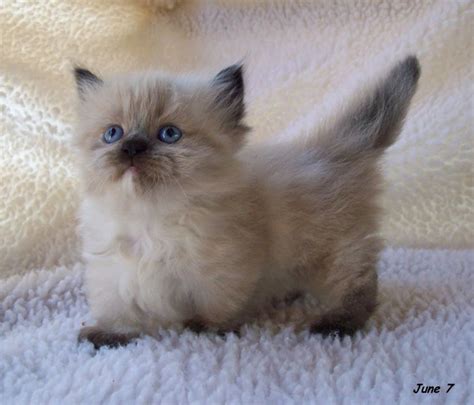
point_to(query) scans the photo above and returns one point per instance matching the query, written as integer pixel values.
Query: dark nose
(133, 147)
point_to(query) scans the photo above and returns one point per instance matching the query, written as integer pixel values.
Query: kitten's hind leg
(350, 315)
(100, 337)
(350, 298)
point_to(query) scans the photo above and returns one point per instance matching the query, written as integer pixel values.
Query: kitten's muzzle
(134, 147)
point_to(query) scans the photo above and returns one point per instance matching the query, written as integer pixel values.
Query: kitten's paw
(199, 326)
(336, 326)
(99, 337)
(327, 329)
(225, 332)
(196, 326)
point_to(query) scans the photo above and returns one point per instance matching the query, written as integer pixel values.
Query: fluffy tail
(374, 122)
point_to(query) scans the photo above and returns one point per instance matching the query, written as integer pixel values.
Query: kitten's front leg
(100, 336)
(116, 320)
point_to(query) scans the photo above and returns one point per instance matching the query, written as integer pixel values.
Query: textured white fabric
(303, 59)
(422, 332)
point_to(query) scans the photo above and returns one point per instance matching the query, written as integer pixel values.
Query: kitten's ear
(228, 87)
(85, 80)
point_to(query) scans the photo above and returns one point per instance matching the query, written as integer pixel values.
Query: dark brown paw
(335, 326)
(332, 330)
(99, 337)
(225, 332)
(196, 326)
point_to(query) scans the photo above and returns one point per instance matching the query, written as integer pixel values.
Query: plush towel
(422, 332)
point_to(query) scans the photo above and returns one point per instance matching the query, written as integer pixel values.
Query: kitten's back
(323, 189)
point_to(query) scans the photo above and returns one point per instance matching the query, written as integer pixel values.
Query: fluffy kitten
(183, 227)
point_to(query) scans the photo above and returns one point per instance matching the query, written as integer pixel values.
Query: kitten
(182, 226)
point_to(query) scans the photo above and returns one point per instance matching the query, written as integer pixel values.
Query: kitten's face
(154, 132)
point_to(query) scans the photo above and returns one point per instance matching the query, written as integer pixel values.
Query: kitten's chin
(131, 171)
(128, 182)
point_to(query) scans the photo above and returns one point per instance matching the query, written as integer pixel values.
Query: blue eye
(113, 134)
(169, 134)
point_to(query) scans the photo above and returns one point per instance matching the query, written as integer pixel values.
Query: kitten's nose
(133, 147)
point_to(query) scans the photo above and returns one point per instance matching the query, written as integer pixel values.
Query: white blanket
(423, 332)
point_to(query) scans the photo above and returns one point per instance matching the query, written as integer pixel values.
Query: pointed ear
(228, 88)
(85, 80)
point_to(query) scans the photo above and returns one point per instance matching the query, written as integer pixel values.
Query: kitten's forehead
(138, 96)
(139, 100)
